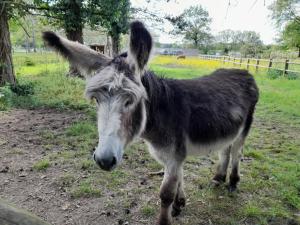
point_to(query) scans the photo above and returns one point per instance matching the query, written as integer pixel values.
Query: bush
(19, 95)
(274, 74)
(23, 89)
(292, 76)
(6, 96)
(28, 62)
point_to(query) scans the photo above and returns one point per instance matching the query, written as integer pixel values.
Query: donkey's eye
(104, 89)
(128, 103)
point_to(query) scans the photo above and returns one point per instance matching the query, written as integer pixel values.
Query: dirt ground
(22, 144)
(124, 194)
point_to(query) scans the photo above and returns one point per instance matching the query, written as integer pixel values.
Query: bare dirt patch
(66, 188)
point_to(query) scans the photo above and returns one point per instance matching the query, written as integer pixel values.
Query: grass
(270, 183)
(148, 210)
(41, 165)
(85, 189)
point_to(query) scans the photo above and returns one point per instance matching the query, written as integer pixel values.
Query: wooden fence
(286, 65)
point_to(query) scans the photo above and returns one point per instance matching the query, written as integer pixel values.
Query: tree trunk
(6, 63)
(299, 51)
(74, 32)
(75, 35)
(115, 44)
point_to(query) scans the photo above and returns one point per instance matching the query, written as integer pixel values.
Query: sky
(241, 15)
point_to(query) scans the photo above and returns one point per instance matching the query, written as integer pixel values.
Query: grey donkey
(175, 117)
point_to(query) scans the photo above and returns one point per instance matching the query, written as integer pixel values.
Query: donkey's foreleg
(224, 157)
(180, 200)
(168, 192)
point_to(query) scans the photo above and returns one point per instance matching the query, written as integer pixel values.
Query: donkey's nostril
(106, 163)
(114, 161)
(94, 156)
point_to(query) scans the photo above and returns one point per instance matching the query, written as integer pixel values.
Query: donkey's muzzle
(107, 163)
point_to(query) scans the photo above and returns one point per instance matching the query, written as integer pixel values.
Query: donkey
(175, 117)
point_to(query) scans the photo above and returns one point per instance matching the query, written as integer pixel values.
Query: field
(48, 132)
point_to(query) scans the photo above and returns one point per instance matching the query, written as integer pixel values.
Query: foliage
(291, 35)
(285, 10)
(247, 42)
(5, 97)
(60, 12)
(25, 89)
(115, 22)
(193, 23)
(274, 74)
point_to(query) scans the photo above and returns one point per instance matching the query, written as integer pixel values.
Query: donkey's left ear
(140, 45)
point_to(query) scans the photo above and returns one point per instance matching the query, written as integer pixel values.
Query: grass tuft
(85, 189)
(41, 165)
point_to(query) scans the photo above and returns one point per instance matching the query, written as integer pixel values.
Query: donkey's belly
(200, 148)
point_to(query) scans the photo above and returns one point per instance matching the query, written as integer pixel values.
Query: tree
(193, 23)
(250, 43)
(71, 15)
(6, 64)
(291, 35)
(285, 10)
(225, 40)
(8, 9)
(247, 42)
(67, 14)
(113, 16)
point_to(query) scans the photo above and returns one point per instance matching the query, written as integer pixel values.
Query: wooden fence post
(248, 61)
(270, 63)
(256, 66)
(286, 67)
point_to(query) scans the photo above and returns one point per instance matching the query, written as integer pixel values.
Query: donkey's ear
(140, 44)
(79, 55)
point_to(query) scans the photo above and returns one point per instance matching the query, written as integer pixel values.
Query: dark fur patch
(200, 108)
(140, 43)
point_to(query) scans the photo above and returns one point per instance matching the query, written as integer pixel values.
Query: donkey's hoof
(215, 183)
(177, 206)
(164, 221)
(232, 188)
(218, 179)
(175, 211)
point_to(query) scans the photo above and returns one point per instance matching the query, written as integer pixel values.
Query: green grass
(148, 210)
(82, 128)
(85, 189)
(41, 165)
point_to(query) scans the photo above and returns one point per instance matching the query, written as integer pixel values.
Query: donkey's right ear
(79, 55)
(140, 45)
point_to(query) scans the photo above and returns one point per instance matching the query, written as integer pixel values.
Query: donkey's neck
(161, 108)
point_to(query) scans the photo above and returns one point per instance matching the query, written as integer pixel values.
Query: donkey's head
(117, 88)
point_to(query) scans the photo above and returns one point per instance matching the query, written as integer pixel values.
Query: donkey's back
(220, 105)
(202, 111)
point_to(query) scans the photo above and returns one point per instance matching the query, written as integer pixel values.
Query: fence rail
(257, 63)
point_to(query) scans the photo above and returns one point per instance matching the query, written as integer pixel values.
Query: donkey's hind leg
(224, 157)
(236, 154)
(179, 201)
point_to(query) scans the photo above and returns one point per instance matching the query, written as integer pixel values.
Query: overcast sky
(239, 15)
